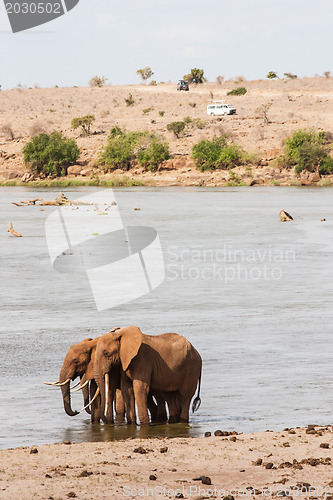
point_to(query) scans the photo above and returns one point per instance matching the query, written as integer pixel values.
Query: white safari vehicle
(220, 108)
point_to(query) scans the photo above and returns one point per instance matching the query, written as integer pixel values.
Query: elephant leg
(152, 407)
(173, 400)
(96, 405)
(86, 395)
(185, 400)
(161, 415)
(186, 394)
(141, 390)
(128, 397)
(120, 406)
(111, 399)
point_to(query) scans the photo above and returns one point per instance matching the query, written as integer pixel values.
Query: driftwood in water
(285, 216)
(11, 230)
(63, 200)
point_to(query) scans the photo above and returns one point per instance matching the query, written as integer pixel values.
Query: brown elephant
(165, 364)
(79, 362)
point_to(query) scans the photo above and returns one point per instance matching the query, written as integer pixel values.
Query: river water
(253, 295)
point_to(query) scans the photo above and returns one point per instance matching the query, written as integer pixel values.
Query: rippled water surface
(252, 294)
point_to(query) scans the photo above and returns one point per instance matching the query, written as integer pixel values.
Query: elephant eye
(75, 361)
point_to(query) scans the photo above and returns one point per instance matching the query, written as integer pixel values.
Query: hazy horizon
(245, 37)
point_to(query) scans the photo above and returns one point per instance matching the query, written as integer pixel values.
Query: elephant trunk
(66, 395)
(107, 396)
(100, 381)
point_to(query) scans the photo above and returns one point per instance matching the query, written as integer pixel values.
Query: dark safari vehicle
(182, 85)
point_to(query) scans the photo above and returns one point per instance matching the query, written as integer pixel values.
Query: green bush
(123, 148)
(238, 91)
(115, 131)
(194, 122)
(217, 153)
(129, 100)
(176, 127)
(196, 76)
(206, 153)
(290, 75)
(84, 122)
(326, 166)
(230, 156)
(271, 75)
(97, 81)
(157, 152)
(50, 154)
(308, 150)
(119, 150)
(147, 110)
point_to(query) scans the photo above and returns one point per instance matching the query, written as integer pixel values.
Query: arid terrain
(294, 463)
(294, 104)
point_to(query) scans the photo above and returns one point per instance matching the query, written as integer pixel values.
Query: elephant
(167, 365)
(79, 362)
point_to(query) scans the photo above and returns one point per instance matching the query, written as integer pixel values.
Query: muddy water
(253, 295)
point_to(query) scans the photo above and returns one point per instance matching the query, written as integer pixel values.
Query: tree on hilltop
(196, 76)
(145, 73)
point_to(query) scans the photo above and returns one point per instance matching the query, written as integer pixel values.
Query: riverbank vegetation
(50, 154)
(307, 150)
(124, 148)
(159, 139)
(219, 153)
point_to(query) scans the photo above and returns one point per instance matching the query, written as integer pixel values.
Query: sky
(114, 39)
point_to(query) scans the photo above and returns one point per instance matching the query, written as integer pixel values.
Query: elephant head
(78, 362)
(115, 351)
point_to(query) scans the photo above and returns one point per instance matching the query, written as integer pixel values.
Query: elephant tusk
(93, 399)
(75, 385)
(81, 386)
(107, 385)
(58, 384)
(64, 383)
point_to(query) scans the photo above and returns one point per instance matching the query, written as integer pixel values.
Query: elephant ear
(131, 339)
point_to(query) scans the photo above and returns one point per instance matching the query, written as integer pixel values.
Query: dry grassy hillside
(294, 104)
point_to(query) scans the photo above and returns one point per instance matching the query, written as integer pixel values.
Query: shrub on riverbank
(151, 157)
(50, 154)
(124, 148)
(237, 91)
(211, 154)
(309, 150)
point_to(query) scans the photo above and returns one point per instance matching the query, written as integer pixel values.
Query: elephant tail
(197, 401)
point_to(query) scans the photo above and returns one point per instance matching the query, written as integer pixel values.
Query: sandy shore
(295, 462)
